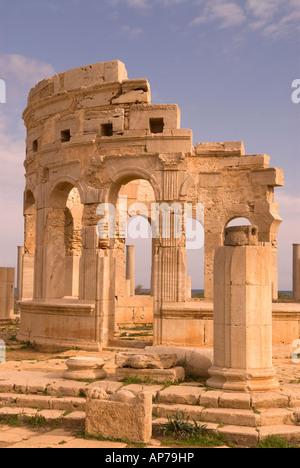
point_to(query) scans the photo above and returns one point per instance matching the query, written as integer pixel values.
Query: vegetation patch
(179, 431)
(275, 442)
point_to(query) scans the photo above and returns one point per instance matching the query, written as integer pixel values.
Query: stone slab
(156, 375)
(146, 361)
(180, 395)
(242, 436)
(196, 362)
(138, 388)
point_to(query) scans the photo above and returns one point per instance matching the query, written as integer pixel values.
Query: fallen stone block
(146, 361)
(175, 374)
(122, 416)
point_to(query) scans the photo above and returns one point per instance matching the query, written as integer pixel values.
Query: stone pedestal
(296, 272)
(130, 268)
(243, 314)
(85, 368)
(7, 293)
(155, 367)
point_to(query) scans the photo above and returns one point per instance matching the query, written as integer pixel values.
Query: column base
(241, 380)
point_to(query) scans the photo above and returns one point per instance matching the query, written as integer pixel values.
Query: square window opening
(65, 136)
(107, 130)
(157, 125)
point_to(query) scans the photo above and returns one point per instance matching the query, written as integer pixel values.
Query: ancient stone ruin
(97, 154)
(93, 137)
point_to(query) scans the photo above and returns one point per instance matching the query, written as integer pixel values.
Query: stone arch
(61, 187)
(187, 186)
(63, 240)
(30, 222)
(124, 176)
(242, 220)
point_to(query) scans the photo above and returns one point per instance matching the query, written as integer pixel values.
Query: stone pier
(296, 272)
(130, 268)
(20, 273)
(243, 314)
(7, 293)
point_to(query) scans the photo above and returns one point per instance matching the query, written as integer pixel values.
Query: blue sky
(228, 64)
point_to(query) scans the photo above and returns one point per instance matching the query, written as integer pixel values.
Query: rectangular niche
(35, 146)
(156, 125)
(65, 136)
(106, 130)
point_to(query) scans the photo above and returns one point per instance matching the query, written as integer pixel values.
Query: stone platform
(245, 419)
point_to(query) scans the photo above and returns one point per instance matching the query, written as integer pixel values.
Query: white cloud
(226, 14)
(273, 19)
(263, 9)
(25, 70)
(132, 33)
(137, 3)
(20, 74)
(144, 4)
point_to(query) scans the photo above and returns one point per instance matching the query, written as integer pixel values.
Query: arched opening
(73, 242)
(139, 236)
(134, 251)
(64, 245)
(195, 258)
(239, 221)
(30, 222)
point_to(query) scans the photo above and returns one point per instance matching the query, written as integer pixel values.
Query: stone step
(44, 402)
(45, 418)
(246, 436)
(192, 395)
(221, 416)
(56, 388)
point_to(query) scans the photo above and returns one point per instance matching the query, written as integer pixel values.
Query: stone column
(130, 268)
(243, 314)
(7, 293)
(189, 287)
(296, 272)
(20, 273)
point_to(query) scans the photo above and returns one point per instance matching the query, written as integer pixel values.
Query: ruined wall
(95, 130)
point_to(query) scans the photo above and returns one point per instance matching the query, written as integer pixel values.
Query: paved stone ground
(23, 359)
(22, 437)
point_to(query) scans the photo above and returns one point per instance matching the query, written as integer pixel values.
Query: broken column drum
(90, 132)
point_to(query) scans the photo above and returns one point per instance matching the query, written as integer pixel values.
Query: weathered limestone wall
(95, 130)
(134, 310)
(7, 293)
